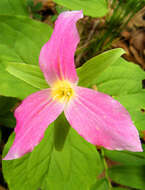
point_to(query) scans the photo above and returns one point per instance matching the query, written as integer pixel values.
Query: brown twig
(79, 57)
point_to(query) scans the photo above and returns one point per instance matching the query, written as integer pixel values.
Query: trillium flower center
(62, 91)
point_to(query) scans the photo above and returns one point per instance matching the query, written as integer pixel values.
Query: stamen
(62, 91)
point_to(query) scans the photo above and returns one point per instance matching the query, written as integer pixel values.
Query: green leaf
(15, 166)
(21, 44)
(89, 72)
(121, 78)
(49, 167)
(30, 74)
(135, 103)
(101, 184)
(60, 133)
(92, 8)
(138, 118)
(28, 77)
(131, 176)
(12, 86)
(21, 39)
(13, 7)
(126, 158)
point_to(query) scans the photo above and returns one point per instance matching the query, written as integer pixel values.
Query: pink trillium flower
(97, 117)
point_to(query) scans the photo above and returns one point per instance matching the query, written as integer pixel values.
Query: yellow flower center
(62, 91)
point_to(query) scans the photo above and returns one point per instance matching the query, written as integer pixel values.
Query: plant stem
(106, 169)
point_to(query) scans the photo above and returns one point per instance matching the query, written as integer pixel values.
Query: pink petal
(102, 121)
(57, 55)
(33, 116)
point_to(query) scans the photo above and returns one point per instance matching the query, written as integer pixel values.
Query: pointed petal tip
(78, 14)
(131, 147)
(33, 117)
(10, 156)
(137, 148)
(115, 131)
(57, 55)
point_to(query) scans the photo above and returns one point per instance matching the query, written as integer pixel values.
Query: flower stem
(106, 168)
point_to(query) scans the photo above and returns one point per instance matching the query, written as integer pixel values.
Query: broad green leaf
(15, 166)
(135, 103)
(90, 71)
(138, 118)
(8, 54)
(126, 158)
(21, 43)
(30, 74)
(121, 78)
(131, 176)
(48, 167)
(101, 184)
(60, 133)
(13, 7)
(94, 8)
(22, 38)
(12, 86)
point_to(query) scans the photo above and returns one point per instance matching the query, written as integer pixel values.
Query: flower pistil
(62, 91)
